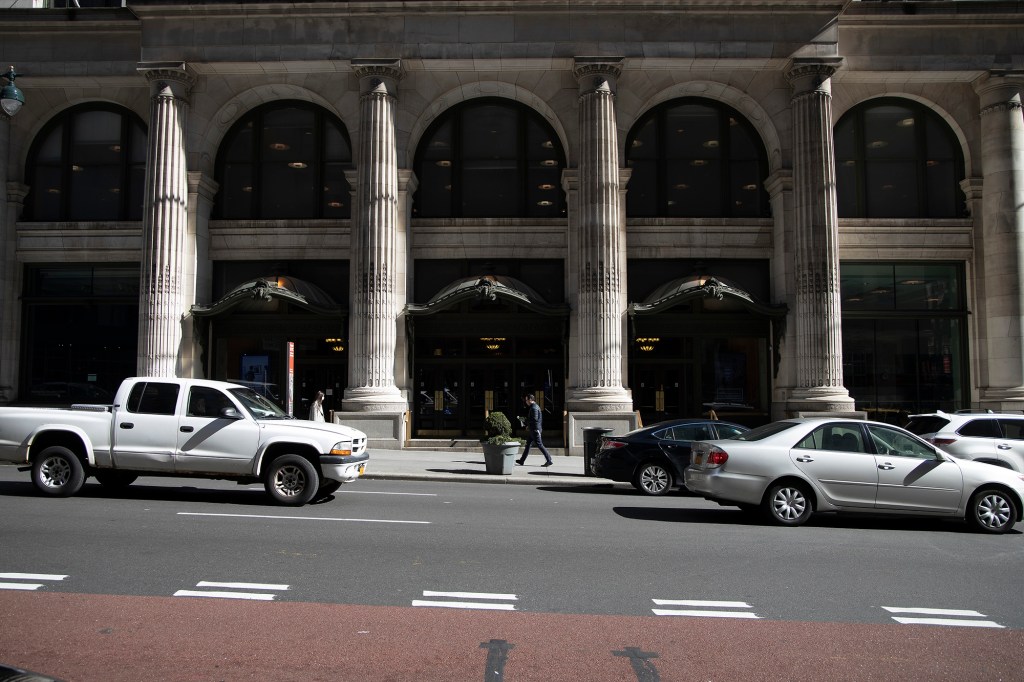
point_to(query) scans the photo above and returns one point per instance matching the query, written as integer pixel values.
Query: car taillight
(716, 458)
(942, 441)
(612, 444)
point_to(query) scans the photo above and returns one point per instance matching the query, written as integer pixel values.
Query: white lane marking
(470, 595)
(220, 594)
(226, 595)
(705, 612)
(27, 586)
(301, 518)
(464, 605)
(20, 586)
(31, 576)
(955, 617)
(243, 586)
(479, 605)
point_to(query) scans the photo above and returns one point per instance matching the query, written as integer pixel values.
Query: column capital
(174, 79)
(999, 90)
(812, 74)
(379, 76)
(597, 74)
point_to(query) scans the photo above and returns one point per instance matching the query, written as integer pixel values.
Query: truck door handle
(1004, 446)
(886, 467)
(127, 425)
(805, 459)
(186, 429)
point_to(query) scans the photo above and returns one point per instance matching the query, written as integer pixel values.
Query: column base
(822, 401)
(600, 400)
(384, 430)
(388, 399)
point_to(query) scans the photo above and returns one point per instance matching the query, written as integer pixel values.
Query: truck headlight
(341, 449)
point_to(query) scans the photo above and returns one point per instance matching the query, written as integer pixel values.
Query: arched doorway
(245, 338)
(479, 345)
(700, 344)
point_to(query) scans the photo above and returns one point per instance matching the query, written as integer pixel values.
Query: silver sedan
(792, 468)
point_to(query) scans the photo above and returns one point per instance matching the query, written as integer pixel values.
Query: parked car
(793, 468)
(988, 437)
(653, 458)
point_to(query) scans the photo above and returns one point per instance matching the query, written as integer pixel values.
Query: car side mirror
(230, 413)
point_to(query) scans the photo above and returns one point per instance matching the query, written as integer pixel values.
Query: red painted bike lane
(86, 638)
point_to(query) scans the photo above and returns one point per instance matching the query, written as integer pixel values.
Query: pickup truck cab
(182, 427)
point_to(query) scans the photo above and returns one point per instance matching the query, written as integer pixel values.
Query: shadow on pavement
(140, 491)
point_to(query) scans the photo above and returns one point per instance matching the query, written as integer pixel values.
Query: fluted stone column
(162, 298)
(817, 315)
(374, 310)
(1002, 243)
(597, 379)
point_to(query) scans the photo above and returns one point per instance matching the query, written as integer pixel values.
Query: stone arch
(474, 91)
(205, 141)
(719, 92)
(849, 105)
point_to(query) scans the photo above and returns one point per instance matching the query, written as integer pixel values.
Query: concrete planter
(500, 459)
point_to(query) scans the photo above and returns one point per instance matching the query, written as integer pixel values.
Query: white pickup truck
(182, 427)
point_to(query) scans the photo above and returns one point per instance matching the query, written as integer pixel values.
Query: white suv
(994, 438)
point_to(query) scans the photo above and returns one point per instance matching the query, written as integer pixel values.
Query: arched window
(897, 159)
(489, 158)
(695, 158)
(88, 163)
(284, 160)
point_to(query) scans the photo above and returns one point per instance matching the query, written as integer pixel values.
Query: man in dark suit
(534, 423)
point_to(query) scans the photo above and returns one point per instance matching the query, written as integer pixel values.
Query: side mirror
(230, 413)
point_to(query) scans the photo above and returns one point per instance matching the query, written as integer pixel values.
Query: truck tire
(57, 472)
(291, 480)
(114, 480)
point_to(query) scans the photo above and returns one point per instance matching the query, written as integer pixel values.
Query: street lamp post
(11, 98)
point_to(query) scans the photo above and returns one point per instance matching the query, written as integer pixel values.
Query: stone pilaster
(596, 377)
(817, 315)
(162, 299)
(9, 278)
(375, 273)
(1001, 294)
(198, 269)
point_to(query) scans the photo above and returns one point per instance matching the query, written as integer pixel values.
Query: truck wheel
(57, 472)
(115, 480)
(291, 480)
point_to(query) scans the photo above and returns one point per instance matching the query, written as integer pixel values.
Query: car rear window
(1013, 428)
(765, 431)
(922, 425)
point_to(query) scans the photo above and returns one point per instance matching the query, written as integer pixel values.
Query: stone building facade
(633, 210)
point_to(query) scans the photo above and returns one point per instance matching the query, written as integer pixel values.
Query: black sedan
(653, 458)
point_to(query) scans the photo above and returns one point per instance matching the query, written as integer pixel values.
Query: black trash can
(591, 442)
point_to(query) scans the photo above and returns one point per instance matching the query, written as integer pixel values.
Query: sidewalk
(468, 467)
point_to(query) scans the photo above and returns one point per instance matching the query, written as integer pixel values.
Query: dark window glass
(897, 159)
(88, 164)
(695, 158)
(284, 160)
(903, 337)
(206, 402)
(980, 428)
(489, 158)
(1013, 428)
(153, 398)
(920, 426)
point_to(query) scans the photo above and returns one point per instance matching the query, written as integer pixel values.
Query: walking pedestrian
(316, 410)
(534, 424)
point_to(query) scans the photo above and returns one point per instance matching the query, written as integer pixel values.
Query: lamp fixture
(647, 343)
(11, 99)
(492, 343)
(297, 165)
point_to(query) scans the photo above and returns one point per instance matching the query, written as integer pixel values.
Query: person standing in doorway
(316, 410)
(534, 423)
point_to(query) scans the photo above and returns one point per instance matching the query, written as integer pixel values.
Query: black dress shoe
(547, 464)
(518, 463)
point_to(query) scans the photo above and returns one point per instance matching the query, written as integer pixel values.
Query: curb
(510, 479)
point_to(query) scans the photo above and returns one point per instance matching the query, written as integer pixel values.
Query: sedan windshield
(258, 406)
(762, 432)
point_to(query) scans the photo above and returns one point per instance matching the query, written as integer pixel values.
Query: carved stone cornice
(808, 75)
(597, 74)
(378, 76)
(168, 78)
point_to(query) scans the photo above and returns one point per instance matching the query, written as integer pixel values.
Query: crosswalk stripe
(252, 586)
(257, 596)
(728, 608)
(20, 586)
(706, 614)
(32, 576)
(958, 622)
(465, 605)
(469, 595)
(954, 617)
(460, 604)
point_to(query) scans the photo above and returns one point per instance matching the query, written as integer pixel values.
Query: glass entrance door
(440, 401)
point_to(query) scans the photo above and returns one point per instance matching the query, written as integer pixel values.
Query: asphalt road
(582, 571)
